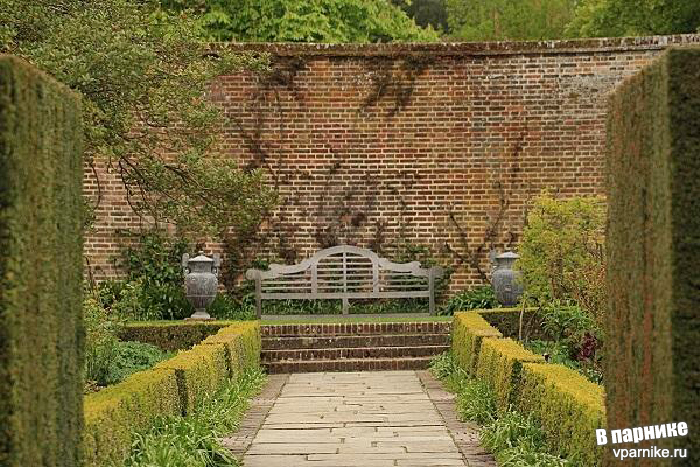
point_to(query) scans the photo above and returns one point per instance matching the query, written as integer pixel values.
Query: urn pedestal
(506, 281)
(201, 282)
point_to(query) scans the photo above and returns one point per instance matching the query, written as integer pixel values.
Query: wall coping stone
(397, 49)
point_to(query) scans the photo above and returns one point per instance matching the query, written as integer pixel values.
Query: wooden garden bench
(345, 272)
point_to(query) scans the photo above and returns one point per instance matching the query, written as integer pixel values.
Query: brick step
(355, 329)
(350, 353)
(367, 364)
(345, 342)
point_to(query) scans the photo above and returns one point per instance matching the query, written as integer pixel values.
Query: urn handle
(217, 263)
(185, 263)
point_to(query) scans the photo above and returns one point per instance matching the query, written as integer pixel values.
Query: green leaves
(304, 21)
(143, 72)
(594, 18)
(481, 297)
(478, 20)
(562, 254)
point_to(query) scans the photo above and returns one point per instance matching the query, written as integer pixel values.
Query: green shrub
(469, 329)
(154, 287)
(576, 331)
(567, 407)
(562, 253)
(171, 336)
(558, 352)
(41, 268)
(566, 321)
(227, 307)
(101, 340)
(482, 297)
(499, 365)
(130, 357)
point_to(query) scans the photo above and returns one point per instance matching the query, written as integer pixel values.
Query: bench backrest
(345, 272)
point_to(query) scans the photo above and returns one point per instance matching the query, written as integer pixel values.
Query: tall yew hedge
(40, 269)
(653, 329)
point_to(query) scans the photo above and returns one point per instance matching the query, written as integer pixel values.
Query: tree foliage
(143, 73)
(482, 20)
(495, 20)
(303, 21)
(562, 254)
(594, 18)
(426, 13)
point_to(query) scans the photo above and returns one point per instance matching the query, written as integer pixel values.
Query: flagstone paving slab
(358, 419)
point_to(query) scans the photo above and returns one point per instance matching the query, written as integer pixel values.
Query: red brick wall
(442, 145)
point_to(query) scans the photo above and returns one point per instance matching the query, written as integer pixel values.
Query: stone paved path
(359, 419)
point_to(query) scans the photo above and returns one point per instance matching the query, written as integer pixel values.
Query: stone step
(355, 329)
(287, 355)
(346, 341)
(364, 364)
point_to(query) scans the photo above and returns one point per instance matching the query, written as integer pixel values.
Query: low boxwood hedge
(568, 407)
(112, 414)
(499, 364)
(242, 345)
(172, 387)
(172, 335)
(199, 372)
(469, 329)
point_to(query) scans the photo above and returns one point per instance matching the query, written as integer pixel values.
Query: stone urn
(201, 282)
(506, 281)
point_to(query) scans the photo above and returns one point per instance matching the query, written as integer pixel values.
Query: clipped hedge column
(652, 353)
(41, 170)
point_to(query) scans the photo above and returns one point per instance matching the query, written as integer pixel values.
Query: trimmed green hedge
(41, 360)
(569, 409)
(242, 345)
(499, 364)
(469, 329)
(173, 387)
(652, 357)
(568, 406)
(172, 335)
(199, 371)
(113, 414)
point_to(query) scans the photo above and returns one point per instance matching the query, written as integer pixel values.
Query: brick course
(383, 144)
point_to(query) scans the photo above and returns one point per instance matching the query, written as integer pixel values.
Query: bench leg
(346, 306)
(258, 298)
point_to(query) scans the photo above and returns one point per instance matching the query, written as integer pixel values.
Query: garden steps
(340, 353)
(300, 348)
(349, 342)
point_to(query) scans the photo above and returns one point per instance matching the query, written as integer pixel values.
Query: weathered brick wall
(388, 145)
